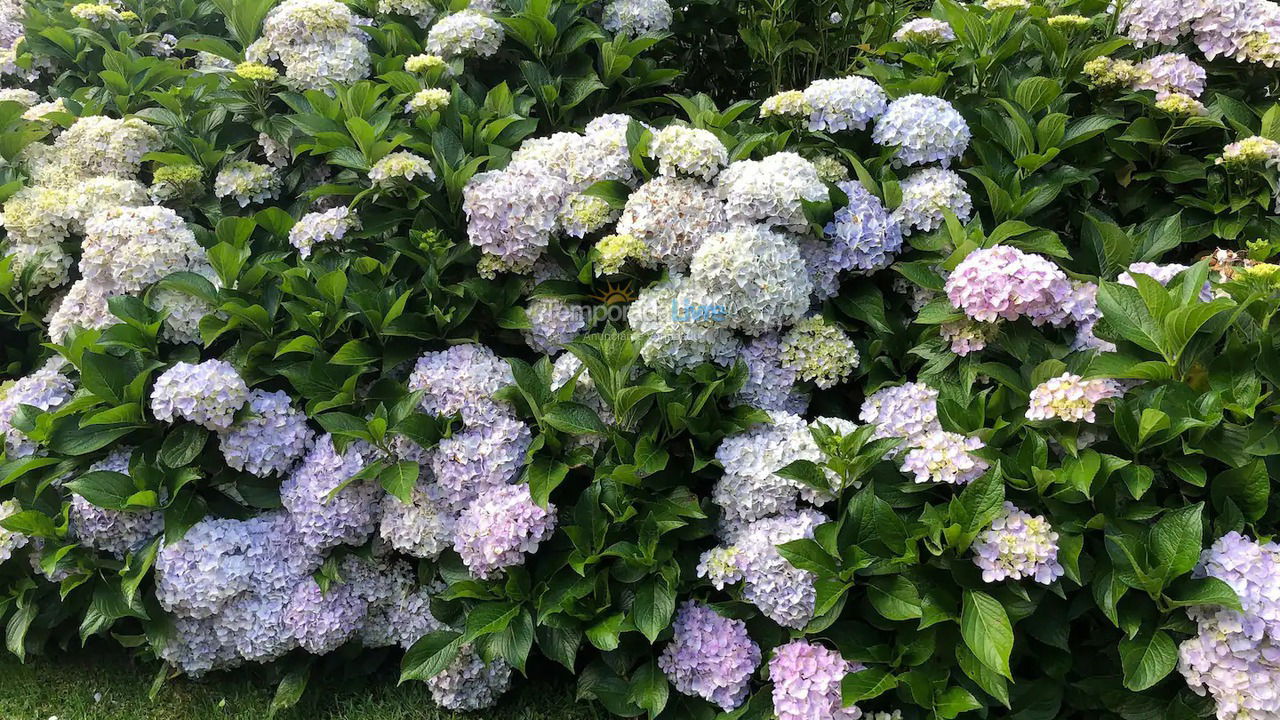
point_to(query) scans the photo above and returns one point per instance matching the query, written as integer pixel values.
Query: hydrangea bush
(737, 360)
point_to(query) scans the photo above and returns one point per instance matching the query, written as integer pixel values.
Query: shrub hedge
(745, 359)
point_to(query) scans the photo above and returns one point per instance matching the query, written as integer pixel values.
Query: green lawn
(109, 686)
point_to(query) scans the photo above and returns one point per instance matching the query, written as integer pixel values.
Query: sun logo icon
(615, 294)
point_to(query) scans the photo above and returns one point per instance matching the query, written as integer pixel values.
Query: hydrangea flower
(635, 17)
(806, 682)
(672, 216)
(614, 251)
(487, 454)
(1005, 283)
(469, 683)
(422, 11)
(770, 384)
(770, 190)
(944, 457)
(757, 275)
(428, 100)
(246, 182)
(117, 532)
(710, 656)
(925, 194)
(84, 305)
(926, 129)
(1070, 398)
(584, 214)
(847, 103)
(819, 352)
(400, 166)
(750, 488)
(422, 527)
(1171, 73)
(98, 145)
(462, 380)
(10, 540)
(322, 518)
(208, 566)
(783, 592)
(322, 620)
(1180, 105)
(907, 411)
(862, 235)
(512, 215)
(788, 103)
(257, 72)
(47, 388)
(500, 527)
(208, 394)
(689, 151)
(967, 337)
(1018, 545)
(682, 342)
(925, 31)
(466, 33)
(425, 63)
(127, 248)
(271, 440)
(321, 227)
(1162, 274)
(319, 42)
(554, 323)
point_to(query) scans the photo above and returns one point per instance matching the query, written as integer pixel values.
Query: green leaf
(895, 598)
(544, 475)
(356, 352)
(986, 630)
(489, 618)
(1202, 591)
(866, 684)
(183, 445)
(1146, 660)
(1176, 540)
(104, 488)
(1248, 486)
(400, 479)
(654, 605)
(430, 655)
(574, 418)
(649, 688)
(289, 691)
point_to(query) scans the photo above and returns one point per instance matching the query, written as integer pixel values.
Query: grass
(107, 685)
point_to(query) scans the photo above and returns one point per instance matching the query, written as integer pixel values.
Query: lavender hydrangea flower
(907, 411)
(770, 385)
(10, 540)
(926, 129)
(1159, 22)
(711, 656)
(862, 235)
(1003, 282)
(1171, 73)
(322, 522)
(485, 455)
(322, 620)
(784, 593)
(967, 337)
(925, 194)
(512, 215)
(198, 574)
(422, 527)
(554, 323)
(271, 440)
(500, 527)
(461, 379)
(208, 394)
(944, 457)
(1070, 398)
(1232, 658)
(113, 531)
(806, 682)
(847, 103)
(46, 388)
(469, 683)
(1018, 545)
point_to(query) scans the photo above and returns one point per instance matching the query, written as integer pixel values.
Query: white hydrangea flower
(465, 33)
(925, 194)
(688, 151)
(126, 249)
(321, 227)
(672, 216)
(319, 42)
(679, 342)
(635, 17)
(246, 182)
(847, 103)
(756, 275)
(400, 166)
(770, 190)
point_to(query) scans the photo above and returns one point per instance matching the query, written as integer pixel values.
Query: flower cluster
(1004, 283)
(46, 389)
(847, 103)
(1232, 658)
(246, 182)
(1018, 545)
(925, 31)
(926, 194)
(710, 656)
(683, 150)
(924, 128)
(1070, 398)
(466, 33)
(321, 227)
(634, 17)
(208, 394)
(819, 352)
(945, 457)
(271, 439)
(806, 682)
(318, 42)
(500, 527)
(113, 531)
